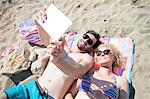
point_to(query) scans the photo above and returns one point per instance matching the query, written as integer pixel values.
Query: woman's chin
(103, 62)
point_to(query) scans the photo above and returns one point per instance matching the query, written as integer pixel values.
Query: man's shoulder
(70, 35)
(85, 55)
(82, 57)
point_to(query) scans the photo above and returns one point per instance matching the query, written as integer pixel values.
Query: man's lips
(83, 43)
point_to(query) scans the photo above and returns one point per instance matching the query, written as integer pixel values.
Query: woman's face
(104, 56)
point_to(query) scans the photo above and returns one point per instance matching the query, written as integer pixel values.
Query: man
(66, 64)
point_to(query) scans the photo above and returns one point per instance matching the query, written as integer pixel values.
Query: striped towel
(126, 47)
(29, 31)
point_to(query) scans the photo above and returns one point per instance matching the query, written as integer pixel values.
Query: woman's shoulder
(120, 78)
(121, 81)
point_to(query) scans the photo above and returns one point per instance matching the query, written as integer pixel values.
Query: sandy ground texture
(126, 18)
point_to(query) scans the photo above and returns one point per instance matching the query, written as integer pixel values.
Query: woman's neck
(103, 71)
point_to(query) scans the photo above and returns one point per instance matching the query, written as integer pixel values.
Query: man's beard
(82, 47)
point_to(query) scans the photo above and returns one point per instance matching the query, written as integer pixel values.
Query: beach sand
(126, 18)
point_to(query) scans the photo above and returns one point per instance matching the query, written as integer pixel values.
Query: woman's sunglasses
(105, 52)
(89, 41)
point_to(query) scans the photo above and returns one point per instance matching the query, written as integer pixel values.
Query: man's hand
(41, 15)
(56, 50)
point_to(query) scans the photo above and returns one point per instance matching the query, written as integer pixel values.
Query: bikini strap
(115, 79)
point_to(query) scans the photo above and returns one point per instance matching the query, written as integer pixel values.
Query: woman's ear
(91, 53)
(115, 59)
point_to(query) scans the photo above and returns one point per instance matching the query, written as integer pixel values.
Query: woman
(102, 83)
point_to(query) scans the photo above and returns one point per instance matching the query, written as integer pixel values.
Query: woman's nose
(102, 54)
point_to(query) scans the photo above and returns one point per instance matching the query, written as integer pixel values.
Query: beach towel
(126, 47)
(30, 32)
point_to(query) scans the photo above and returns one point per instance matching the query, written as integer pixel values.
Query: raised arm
(73, 64)
(75, 67)
(41, 16)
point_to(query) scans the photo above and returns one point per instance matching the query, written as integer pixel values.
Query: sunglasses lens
(85, 36)
(89, 41)
(98, 53)
(105, 52)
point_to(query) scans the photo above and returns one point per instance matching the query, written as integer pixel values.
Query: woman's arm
(73, 89)
(68, 96)
(124, 94)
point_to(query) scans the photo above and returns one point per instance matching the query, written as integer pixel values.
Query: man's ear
(91, 49)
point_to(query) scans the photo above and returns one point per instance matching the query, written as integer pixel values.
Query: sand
(126, 18)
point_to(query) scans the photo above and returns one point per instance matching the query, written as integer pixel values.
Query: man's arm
(74, 65)
(42, 16)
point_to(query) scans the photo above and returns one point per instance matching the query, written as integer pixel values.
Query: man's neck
(75, 49)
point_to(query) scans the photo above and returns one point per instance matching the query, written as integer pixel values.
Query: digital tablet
(56, 24)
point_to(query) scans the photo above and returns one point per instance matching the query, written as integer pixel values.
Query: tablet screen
(56, 24)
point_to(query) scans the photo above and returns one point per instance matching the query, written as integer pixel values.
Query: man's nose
(85, 41)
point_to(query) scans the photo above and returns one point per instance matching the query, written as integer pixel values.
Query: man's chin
(82, 48)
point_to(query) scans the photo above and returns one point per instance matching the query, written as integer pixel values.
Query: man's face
(86, 42)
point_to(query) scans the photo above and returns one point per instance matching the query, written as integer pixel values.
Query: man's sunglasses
(89, 41)
(105, 52)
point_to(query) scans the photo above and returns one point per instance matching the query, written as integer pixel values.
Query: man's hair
(97, 36)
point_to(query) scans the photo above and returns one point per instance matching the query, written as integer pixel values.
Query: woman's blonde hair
(119, 59)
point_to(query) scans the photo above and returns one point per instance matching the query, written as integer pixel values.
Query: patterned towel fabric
(126, 47)
(29, 31)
